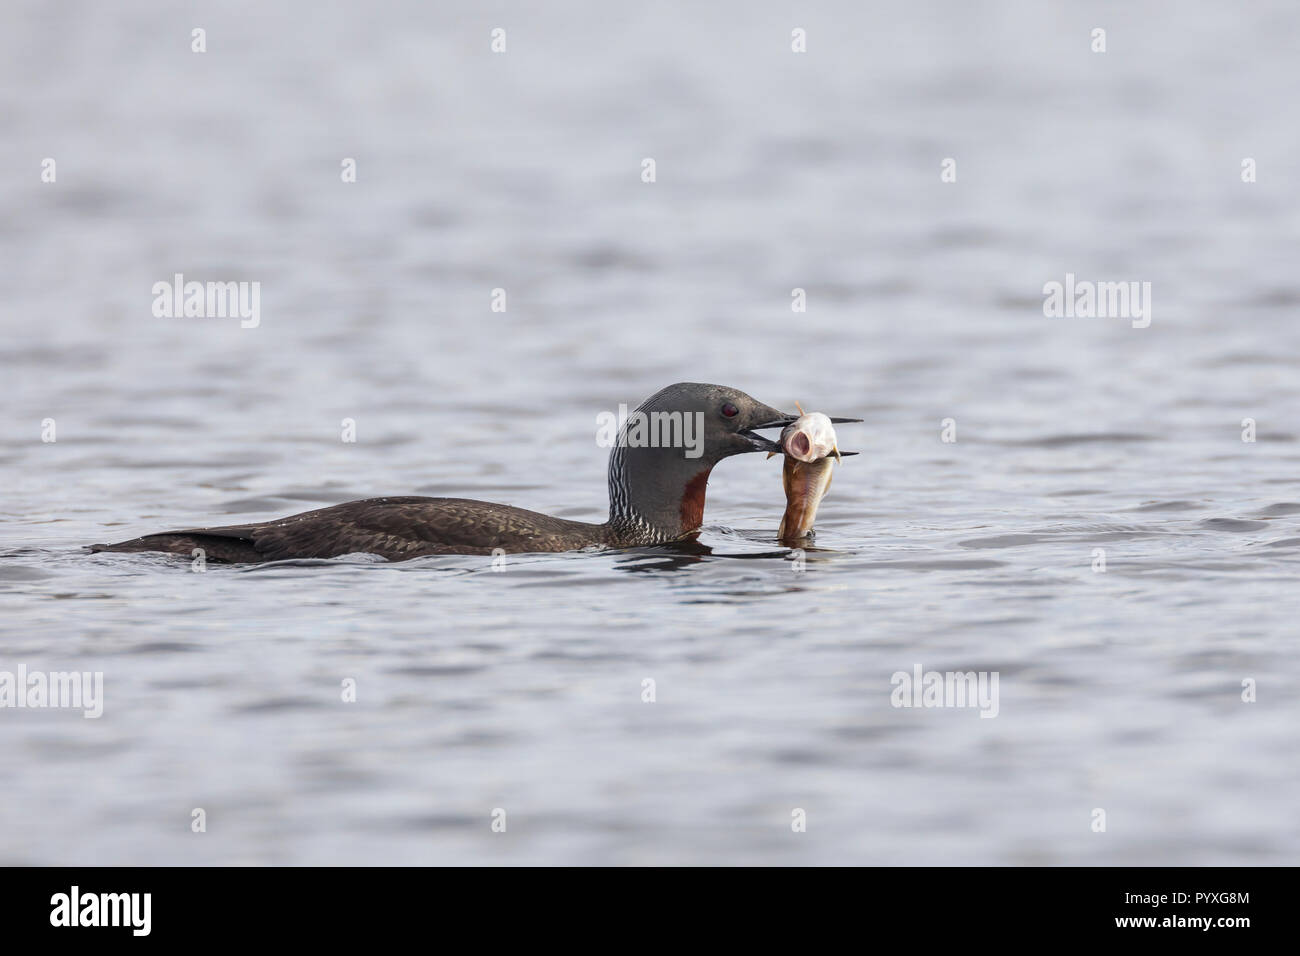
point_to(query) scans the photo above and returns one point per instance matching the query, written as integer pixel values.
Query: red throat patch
(692, 509)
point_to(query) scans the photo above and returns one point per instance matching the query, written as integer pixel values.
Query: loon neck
(654, 499)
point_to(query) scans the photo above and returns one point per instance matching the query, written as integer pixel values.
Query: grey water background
(522, 689)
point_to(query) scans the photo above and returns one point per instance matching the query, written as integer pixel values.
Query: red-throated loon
(656, 495)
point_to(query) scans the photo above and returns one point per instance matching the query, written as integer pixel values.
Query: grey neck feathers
(644, 495)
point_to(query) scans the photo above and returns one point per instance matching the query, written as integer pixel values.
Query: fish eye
(729, 410)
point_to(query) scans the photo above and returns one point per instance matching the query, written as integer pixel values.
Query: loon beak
(771, 418)
(759, 443)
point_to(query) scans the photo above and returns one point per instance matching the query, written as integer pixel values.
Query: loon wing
(395, 528)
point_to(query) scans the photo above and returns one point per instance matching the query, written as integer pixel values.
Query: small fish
(809, 444)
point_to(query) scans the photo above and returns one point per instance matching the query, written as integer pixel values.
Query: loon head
(659, 468)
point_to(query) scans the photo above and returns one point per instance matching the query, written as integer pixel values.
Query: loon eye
(730, 411)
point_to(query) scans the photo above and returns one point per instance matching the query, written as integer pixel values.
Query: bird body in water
(656, 495)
